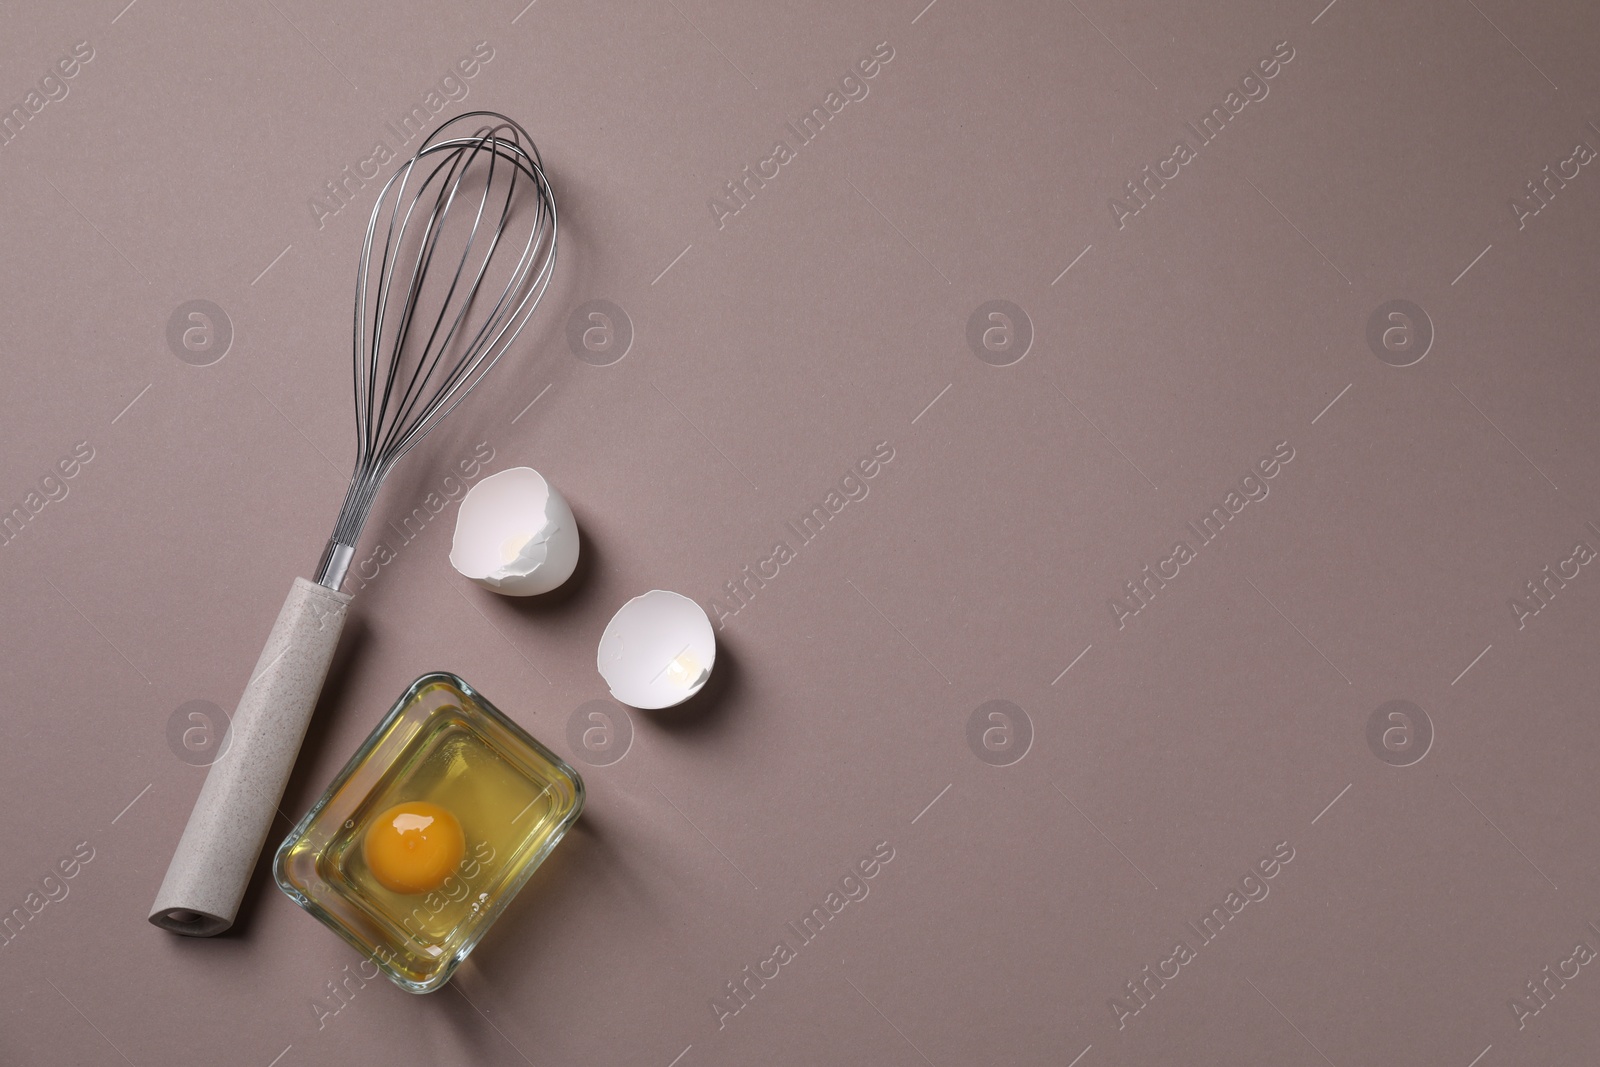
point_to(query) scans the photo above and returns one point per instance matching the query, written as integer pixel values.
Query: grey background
(765, 358)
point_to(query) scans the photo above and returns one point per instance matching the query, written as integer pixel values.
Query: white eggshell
(657, 650)
(515, 534)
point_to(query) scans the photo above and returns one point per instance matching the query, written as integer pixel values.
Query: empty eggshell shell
(657, 650)
(515, 534)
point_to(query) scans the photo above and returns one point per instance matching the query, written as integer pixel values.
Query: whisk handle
(222, 841)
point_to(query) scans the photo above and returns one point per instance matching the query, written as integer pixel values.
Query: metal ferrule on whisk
(341, 547)
(335, 563)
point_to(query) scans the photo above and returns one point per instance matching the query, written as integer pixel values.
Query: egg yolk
(413, 847)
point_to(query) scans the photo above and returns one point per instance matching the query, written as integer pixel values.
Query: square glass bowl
(442, 746)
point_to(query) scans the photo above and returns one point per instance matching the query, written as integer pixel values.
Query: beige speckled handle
(219, 848)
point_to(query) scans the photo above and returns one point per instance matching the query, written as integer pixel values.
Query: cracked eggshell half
(657, 650)
(515, 534)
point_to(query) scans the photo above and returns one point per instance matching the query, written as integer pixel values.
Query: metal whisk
(405, 382)
(458, 253)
